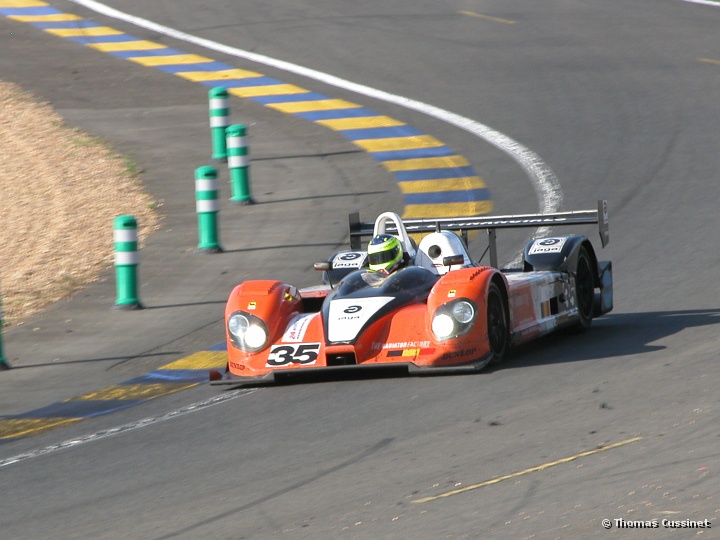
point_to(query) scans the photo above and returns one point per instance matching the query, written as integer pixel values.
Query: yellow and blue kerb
(179, 375)
(435, 181)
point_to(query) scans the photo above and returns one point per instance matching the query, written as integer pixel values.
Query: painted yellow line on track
(269, 90)
(84, 32)
(420, 211)
(176, 59)
(24, 427)
(361, 122)
(200, 360)
(156, 384)
(709, 61)
(399, 143)
(444, 184)
(488, 18)
(426, 163)
(309, 106)
(530, 470)
(134, 391)
(22, 3)
(54, 17)
(140, 45)
(222, 75)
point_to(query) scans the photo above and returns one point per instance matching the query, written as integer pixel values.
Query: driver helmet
(384, 252)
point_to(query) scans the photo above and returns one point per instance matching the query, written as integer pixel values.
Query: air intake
(341, 359)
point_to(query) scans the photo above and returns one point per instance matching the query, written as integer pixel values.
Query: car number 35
(302, 353)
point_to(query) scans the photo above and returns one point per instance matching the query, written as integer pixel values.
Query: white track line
(71, 443)
(546, 185)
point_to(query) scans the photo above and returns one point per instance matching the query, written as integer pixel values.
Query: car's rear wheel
(497, 325)
(584, 289)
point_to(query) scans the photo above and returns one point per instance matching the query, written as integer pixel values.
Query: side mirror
(324, 266)
(452, 260)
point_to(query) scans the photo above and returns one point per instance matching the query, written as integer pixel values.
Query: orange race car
(439, 311)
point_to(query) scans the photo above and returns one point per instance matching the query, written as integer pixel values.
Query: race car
(441, 312)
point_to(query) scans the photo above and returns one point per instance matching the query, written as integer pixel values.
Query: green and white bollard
(238, 153)
(219, 121)
(126, 263)
(207, 207)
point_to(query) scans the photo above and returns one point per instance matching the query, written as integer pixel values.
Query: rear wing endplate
(360, 229)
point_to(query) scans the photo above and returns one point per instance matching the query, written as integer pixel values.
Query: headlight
(443, 326)
(247, 332)
(463, 312)
(453, 319)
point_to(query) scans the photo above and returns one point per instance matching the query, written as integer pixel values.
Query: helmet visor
(384, 257)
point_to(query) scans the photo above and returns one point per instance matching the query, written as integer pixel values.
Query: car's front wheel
(497, 325)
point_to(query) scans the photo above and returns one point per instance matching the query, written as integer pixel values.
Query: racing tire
(584, 290)
(497, 325)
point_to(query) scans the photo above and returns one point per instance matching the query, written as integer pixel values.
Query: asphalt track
(426, 171)
(620, 423)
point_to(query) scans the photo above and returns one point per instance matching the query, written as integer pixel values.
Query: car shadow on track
(120, 359)
(613, 335)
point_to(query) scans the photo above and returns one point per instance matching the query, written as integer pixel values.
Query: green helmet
(384, 252)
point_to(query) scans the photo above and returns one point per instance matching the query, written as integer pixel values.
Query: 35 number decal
(302, 353)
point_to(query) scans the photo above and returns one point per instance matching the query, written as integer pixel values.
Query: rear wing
(360, 229)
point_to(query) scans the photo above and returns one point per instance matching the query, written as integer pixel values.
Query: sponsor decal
(410, 352)
(547, 245)
(283, 355)
(291, 294)
(348, 316)
(350, 312)
(489, 223)
(459, 354)
(252, 305)
(295, 331)
(452, 293)
(402, 345)
(545, 309)
(350, 259)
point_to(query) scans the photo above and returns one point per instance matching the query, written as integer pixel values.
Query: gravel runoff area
(60, 191)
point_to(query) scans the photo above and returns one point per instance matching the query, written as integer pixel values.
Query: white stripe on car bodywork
(347, 316)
